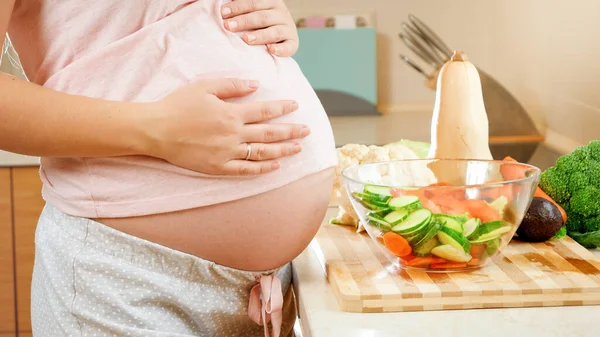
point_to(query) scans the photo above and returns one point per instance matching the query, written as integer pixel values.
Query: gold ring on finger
(249, 151)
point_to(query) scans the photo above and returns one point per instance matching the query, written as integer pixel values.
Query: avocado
(541, 222)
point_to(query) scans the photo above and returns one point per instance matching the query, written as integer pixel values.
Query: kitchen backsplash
(546, 52)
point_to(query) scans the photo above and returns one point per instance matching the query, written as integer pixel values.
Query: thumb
(231, 87)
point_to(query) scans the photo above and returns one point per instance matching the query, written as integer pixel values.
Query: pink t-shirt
(141, 51)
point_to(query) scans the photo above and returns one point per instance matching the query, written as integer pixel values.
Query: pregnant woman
(185, 162)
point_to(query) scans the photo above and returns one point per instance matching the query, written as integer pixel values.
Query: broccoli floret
(577, 161)
(591, 224)
(578, 181)
(586, 202)
(594, 174)
(594, 148)
(574, 222)
(574, 183)
(555, 183)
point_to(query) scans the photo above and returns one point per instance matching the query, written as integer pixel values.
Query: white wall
(546, 52)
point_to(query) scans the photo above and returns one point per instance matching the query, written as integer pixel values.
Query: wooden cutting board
(555, 273)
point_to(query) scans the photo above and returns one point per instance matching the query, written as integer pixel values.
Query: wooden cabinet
(27, 206)
(20, 206)
(7, 264)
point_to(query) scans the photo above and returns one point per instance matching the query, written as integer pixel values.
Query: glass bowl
(441, 214)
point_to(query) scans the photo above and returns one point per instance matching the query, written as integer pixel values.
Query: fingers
(284, 49)
(246, 167)
(271, 133)
(230, 87)
(238, 7)
(273, 34)
(257, 20)
(261, 152)
(262, 111)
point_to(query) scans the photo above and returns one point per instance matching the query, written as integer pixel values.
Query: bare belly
(256, 233)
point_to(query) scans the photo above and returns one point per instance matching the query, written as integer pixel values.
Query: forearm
(38, 121)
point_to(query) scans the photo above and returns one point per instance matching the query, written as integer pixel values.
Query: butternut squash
(459, 127)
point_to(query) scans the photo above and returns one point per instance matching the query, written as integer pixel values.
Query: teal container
(341, 66)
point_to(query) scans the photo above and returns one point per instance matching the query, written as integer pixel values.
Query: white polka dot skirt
(92, 280)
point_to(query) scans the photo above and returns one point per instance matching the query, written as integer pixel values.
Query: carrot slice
(474, 262)
(395, 192)
(480, 209)
(441, 183)
(496, 192)
(427, 203)
(448, 265)
(452, 192)
(396, 244)
(509, 174)
(424, 261)
(408, 257)
(477, 251)
(450, 205)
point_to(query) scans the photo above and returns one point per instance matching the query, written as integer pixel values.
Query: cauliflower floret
(402, 152)
(355, 154)
(356, 151)
(376, 154)
(348, 155)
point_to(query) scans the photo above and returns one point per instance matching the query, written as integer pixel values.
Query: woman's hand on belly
(194, 128)
(268, 22)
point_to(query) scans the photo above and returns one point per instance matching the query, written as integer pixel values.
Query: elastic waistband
(148, 255)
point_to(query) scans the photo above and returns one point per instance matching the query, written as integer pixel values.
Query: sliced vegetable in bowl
(441, 227)
(409, 227)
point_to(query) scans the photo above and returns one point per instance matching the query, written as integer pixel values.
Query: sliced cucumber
(450, 253)
(449, 236)
(378, 221)
(450, 222)
(382, 212)
(415, 221)
(420, 235)
(408, 202)
(379, 191)
(374, 207)
(372, 197)
(471, 227)
(492, 247)
(335, 221)
(499, 204)
(395, 217)
(460, 218)
(491, 236)
(426, 248)
(427, 238)
(377, 203)
(490, 231)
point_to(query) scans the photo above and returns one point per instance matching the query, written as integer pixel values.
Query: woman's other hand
(195, 129)
(266, 22)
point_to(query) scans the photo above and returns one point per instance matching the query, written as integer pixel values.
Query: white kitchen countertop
(320, 315)
(13, 159)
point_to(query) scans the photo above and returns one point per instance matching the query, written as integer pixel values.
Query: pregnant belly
(255, 233)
